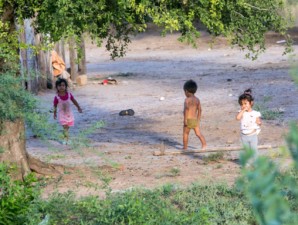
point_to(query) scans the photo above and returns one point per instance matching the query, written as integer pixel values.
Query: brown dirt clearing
(156, 67)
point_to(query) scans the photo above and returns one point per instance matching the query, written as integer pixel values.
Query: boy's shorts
(192, 123)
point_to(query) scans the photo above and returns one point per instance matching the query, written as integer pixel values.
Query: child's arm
(55, 112)
(240, 114)
(77, 105)
(259, 121)
(199, 111)
(55, 107)
(185, 113)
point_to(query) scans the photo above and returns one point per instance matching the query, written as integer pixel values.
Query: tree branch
(254, 7)
(239, 14)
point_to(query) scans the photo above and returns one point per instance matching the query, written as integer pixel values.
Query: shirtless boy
(192, 113)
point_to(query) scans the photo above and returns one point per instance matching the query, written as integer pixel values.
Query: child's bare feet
(203, 148)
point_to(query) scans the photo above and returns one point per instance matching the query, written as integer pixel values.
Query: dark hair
(190, 86)
(60, 81)
(246, 96)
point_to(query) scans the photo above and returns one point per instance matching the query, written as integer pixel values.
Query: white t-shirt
(248, 122)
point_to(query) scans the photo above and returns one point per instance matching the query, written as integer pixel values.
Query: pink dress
(65, 115)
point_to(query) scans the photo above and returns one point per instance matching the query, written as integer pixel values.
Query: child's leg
(186, 131)
(65, 132)
(252, 143)
(201, 137)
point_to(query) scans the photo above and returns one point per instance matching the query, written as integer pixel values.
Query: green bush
(272, 192)
(16, 197)
(132, 207)
(197, 204)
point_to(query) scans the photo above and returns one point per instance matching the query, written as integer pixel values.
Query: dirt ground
(121, 152)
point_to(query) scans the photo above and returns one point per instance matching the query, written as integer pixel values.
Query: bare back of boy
(192, 109)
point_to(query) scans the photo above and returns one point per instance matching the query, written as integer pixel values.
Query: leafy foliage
(8, 45)
(292, 140)
(270, 190)
(264, 193)
(244, 22)
(272, 195)
(198, 204)
(15, 101)
(16, 197)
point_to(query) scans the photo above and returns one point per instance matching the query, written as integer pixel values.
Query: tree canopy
(244, 22)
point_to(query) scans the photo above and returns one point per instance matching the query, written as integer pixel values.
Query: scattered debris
(109, 81)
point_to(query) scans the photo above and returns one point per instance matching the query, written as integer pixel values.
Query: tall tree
(244, 22)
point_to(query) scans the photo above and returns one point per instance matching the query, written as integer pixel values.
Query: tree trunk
(13, 151)
(72, 59)
(31, 58)
(59, 48)
(23, 56)
(82, 63)
(12, 146)
(43, 64)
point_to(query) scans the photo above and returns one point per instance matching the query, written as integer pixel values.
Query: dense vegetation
(20, 203)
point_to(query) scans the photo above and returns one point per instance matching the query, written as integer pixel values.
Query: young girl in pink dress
(62, 101)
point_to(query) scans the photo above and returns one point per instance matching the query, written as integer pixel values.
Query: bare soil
(156, 67)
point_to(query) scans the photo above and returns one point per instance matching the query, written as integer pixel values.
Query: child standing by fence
(62, 101)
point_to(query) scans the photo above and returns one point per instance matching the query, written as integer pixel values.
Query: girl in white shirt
(250, 121)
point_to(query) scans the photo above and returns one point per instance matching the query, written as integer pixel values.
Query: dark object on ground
(128, 112)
